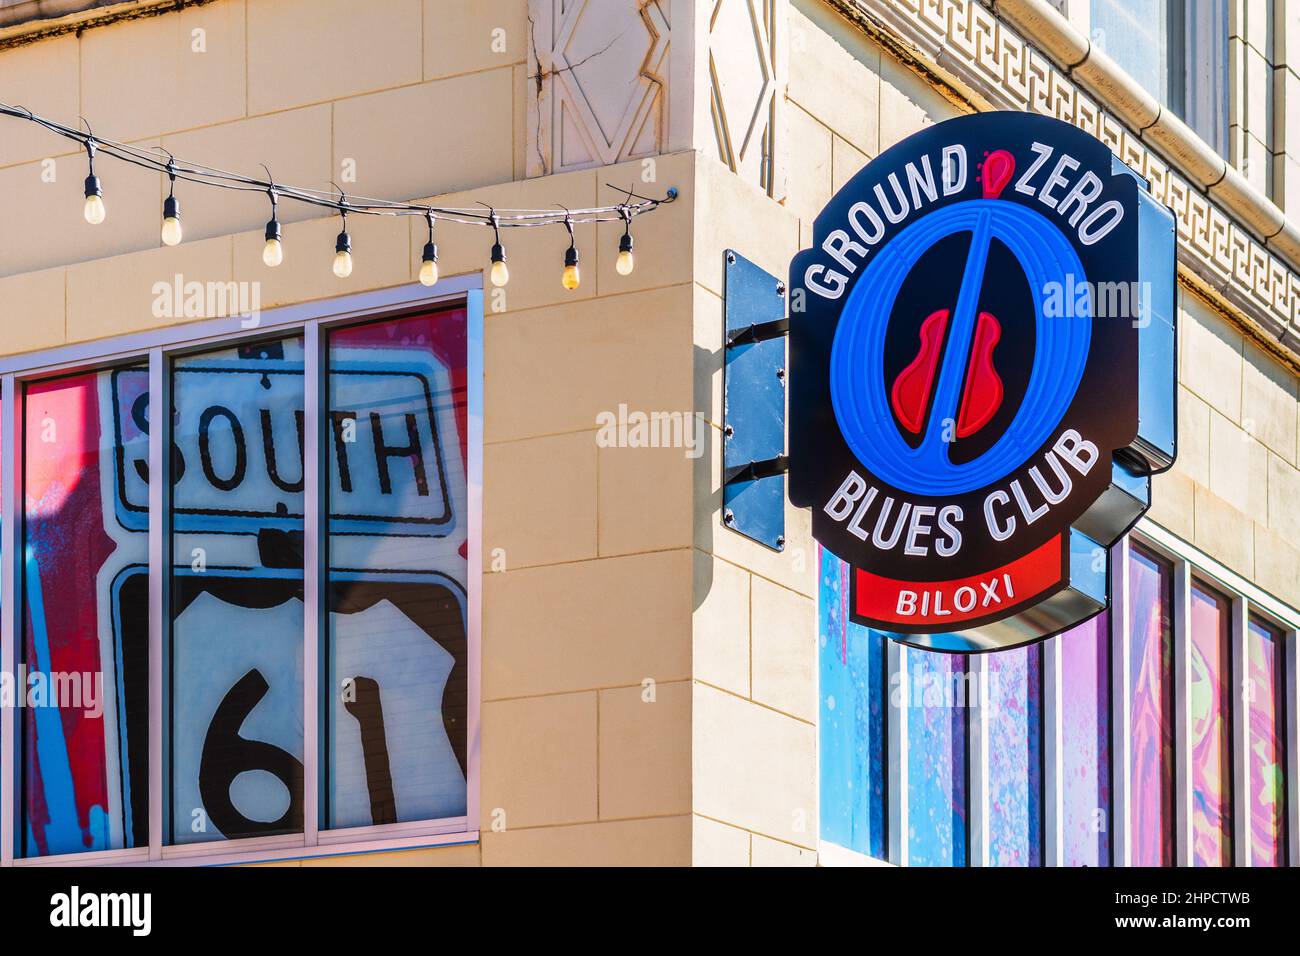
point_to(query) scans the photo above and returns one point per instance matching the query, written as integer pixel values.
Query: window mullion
(1121, 844)
(1053, 757)
(314, 587)
(1240, 729)
(1291, 704)
(160, 494)
(1182, 595)
(977, 751)
(896, 656)
(10, 548)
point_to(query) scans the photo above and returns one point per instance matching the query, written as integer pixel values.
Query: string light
(273, 249)
(499, 274)
(343, 244)
(172, 233)
(429, 263)
(94, 210)
(624, 264)
(570, 278)
(171, 224)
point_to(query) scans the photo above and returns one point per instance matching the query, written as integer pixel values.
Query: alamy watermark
(636, 429)
(1075, 298)
(192, 299)
(64, 690)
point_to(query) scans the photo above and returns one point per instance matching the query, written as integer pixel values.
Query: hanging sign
(981, 345)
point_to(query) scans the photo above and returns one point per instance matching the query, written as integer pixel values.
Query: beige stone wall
(1235, 489)
(595, 598)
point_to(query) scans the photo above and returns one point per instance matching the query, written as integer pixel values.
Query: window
(1015, 756)
(1266, 755)
(1086, 744)
(1177, 52)
(854, 689)
(938, 701)
(1151, 709)
(1210, 716)
(84, 737)
(278, 612)
(1123, 741)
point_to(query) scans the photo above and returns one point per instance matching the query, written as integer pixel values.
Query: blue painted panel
(851, 719)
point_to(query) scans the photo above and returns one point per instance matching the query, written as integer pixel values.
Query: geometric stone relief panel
(598, 82)
(747, 82)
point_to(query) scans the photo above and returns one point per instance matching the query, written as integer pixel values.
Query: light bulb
(94, 210)
(499, 275)
(571, 278)
(273, 251)
(343, 255)
(623, 264)
(171, 231)
(171, 224)
(429, 267)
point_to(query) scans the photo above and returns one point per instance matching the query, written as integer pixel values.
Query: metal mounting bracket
(754, 461)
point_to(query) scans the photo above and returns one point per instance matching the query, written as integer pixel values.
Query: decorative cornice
(1234, 246)
(34, 20)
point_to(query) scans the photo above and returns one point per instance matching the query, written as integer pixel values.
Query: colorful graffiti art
(1151, 686)
(1085, 744)
(394, 662)
(1210, 730)
(1266, 801)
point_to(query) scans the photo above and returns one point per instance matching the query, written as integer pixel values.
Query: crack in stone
(541, 76)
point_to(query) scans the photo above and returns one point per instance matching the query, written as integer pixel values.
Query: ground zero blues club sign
(982, 377)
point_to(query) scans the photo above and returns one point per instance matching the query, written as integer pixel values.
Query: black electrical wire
(192, 172)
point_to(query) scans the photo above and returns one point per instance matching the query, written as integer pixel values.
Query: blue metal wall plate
(753, 402)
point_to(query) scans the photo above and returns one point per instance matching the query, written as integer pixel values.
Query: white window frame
(159, 347)
(1247, 601)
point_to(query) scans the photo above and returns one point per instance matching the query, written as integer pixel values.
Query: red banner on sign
(944, 604)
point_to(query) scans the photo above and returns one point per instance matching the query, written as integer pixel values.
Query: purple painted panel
(1210, 730)
(1266, 802)
(1085, 743)
(1151, 710)
(1015, 757)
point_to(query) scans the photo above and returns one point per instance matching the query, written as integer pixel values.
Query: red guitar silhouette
(982, 394)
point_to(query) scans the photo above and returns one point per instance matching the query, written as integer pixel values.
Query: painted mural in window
(394, 662)
(84, 758)
(1265, 694)
(1086, 745)
(864, 695)
(1210, 689)
(397, 643)
(1151, 709)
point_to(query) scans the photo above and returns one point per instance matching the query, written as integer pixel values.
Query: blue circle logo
(869, 409)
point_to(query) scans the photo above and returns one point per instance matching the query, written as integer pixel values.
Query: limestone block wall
(589, 558)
